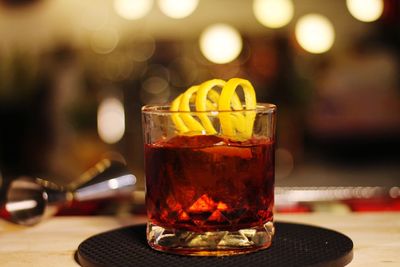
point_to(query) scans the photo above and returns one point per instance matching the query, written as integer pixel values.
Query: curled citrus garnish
(236, 120)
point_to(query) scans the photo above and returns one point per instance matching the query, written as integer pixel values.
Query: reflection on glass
(21, 205)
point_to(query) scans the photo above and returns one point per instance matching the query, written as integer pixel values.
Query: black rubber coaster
(293, 245)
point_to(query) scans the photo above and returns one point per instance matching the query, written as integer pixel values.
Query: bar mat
(293, 245)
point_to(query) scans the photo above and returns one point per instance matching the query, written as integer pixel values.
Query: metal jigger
(29, 200)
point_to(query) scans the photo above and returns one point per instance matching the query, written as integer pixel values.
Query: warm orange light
(132, 9)
(111, 120)
(220, 43)
(365, 10)
(273, 13)
(178, 9)
(315, 33)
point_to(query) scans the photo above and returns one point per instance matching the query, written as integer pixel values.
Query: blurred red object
(378, 204)
(294, 209)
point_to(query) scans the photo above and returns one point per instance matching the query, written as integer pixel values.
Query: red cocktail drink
(207, 183)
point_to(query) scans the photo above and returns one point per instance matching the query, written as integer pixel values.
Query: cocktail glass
(209, 194)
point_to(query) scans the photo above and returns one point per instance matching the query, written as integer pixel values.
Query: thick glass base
(215, 243)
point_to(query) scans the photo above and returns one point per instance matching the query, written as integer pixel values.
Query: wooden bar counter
(376, 237)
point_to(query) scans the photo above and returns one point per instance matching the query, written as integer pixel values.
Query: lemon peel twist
(201, 102)
(243, 124)
(235, 125)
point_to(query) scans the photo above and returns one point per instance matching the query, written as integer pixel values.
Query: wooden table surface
(376, 237)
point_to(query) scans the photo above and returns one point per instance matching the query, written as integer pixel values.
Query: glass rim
(165, 109)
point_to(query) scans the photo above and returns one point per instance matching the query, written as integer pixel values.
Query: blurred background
(74, 75)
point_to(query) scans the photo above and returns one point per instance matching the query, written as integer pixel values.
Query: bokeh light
(315, 33)
(155, 90)
(178, 9)
(158, 70)
(284, 163)
(132, 9)
(365, 10)
(104, 41)
(111, 120)
(184, 72)
(143, 48)
(273, 13)
(94, 17)
(220, 43)
(394, 192)
(155, 85)
(116, 66)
